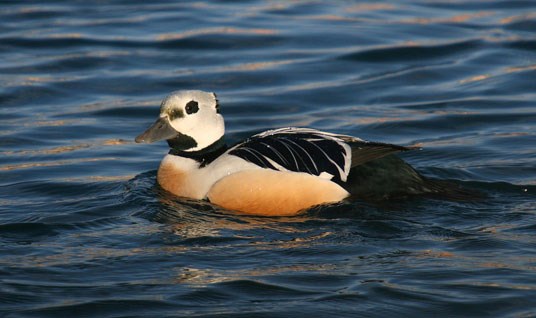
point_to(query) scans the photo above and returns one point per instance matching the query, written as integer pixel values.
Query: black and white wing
(319, 153)
(300, 150)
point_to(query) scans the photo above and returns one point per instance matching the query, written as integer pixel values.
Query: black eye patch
(192, 107)
(175, 113)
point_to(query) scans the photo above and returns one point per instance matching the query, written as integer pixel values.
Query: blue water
(84, 231)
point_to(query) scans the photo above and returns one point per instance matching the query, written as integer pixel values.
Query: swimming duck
(278, 172)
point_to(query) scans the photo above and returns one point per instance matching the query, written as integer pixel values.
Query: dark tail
(392, 178)
(450, 190)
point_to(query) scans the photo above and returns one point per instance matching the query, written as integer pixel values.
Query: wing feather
(363, 152)
(311, 151)
(298, 149)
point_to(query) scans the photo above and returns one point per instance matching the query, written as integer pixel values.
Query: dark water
(84, 232)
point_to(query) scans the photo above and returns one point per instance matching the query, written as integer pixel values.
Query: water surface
(85, 232)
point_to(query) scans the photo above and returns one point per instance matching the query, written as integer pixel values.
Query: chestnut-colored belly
(273, 193)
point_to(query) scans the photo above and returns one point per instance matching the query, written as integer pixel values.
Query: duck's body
(242, 186)
(277, 172)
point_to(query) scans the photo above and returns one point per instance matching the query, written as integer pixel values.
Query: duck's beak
(160, 130)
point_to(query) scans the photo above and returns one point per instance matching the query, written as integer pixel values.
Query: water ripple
(413, 51)
(86, 231)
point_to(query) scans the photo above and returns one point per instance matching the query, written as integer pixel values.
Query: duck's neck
(203, 156)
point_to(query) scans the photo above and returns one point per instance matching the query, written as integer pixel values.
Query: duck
(278, 172)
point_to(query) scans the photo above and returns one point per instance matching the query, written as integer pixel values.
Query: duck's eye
(217, 107)
(192, 107)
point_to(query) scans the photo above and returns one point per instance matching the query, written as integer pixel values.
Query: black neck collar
(205, 155)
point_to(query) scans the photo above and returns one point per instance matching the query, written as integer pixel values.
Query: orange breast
(173, 180)
(273, 193)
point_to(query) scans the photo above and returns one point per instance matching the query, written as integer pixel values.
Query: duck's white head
(189, 120)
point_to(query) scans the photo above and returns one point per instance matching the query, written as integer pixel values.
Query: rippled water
(84, 231)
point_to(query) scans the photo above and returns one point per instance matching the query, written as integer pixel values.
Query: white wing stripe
(308, 155)
(277, 153)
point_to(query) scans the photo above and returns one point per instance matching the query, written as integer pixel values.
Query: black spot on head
(175, 113)
(192, 107)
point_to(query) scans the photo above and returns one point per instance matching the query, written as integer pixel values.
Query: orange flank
(273, 193)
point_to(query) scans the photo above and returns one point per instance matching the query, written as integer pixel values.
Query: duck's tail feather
(392, 178)
(450, 190)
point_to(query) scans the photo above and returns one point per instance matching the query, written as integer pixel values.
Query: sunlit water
(84, 231)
